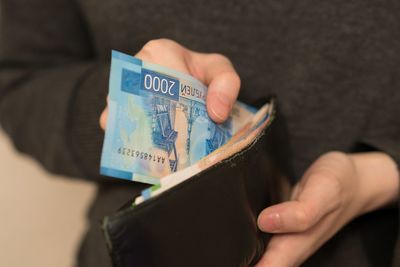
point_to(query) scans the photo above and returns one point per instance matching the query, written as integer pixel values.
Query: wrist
(378, 180)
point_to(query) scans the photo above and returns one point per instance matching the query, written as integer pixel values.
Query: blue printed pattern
(164, 136)
(218, 138)
(157, 122)
(130, 81)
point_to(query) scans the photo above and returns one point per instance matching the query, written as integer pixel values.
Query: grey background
(42, 216)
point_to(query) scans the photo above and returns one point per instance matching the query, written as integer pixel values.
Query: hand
(335, 189)
(214, 70)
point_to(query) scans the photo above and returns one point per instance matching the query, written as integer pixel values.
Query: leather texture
(208, 220)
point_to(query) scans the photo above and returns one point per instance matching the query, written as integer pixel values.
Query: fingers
(215, 70)
(103, 118)
(223, 82)
(315, 199)
(321, 204)
(222, 93)
(165, 52)
(290, 250)
(292, 216)
(277, 252)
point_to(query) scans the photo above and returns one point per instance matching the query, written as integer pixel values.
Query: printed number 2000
(158, 84)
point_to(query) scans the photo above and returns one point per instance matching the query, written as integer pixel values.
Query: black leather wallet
(208, 220)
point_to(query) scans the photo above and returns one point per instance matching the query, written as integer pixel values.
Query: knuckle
(157, 45)
(232, 77)
(328, 180)
(336, 154)
(333, 188)
(304, 217)
(339, 159)
(337, 192)
(236, 79)
(335, 185)
(332, 185)
(219, 58)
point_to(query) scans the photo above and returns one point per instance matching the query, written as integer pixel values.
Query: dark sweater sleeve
(52, 88)
(383, 134)
(383, 130)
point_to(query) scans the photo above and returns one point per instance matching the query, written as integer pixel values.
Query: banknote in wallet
(208, 181)
(158, 125)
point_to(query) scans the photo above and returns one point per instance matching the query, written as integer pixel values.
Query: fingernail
(275, 222)
(222, 106)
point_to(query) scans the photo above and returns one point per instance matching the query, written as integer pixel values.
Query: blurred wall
(42, 216)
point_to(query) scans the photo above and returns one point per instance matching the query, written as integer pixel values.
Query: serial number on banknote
(140, 155)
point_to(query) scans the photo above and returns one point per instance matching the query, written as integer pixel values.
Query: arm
(52, 89)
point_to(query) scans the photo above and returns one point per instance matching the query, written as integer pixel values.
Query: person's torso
(326, 61)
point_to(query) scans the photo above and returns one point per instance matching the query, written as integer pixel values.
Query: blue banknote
(157, 121)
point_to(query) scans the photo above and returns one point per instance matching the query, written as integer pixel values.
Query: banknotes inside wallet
(158, 123)
(209, 181)
(204, 215)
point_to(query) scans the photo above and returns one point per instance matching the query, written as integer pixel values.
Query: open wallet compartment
(209, 219)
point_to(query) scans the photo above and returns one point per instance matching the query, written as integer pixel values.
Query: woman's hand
(214, 70)
(335, 189)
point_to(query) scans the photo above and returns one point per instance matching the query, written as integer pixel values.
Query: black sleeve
(383, 134)
(383, 130)
(52, 88)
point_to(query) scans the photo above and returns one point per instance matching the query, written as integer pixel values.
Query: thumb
(223, 82)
